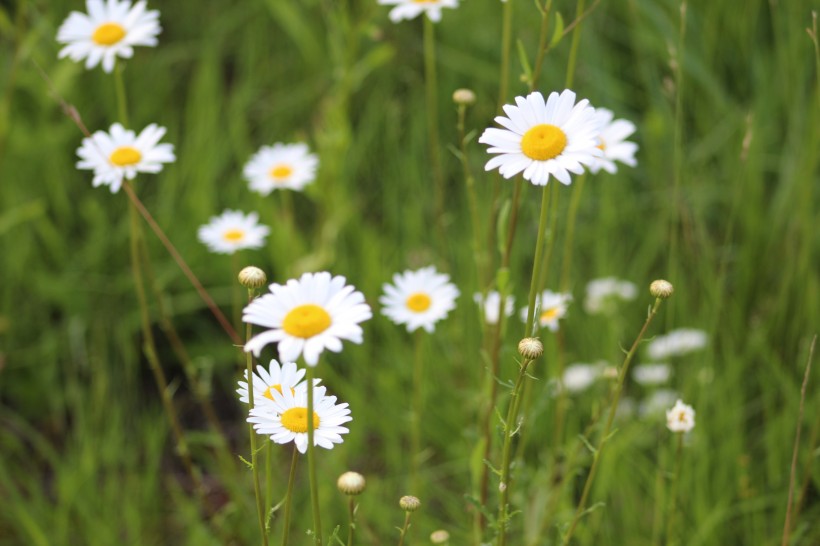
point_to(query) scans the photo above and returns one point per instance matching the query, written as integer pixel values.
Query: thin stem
(314, 484)
(574, 203)
(431, 86)
(260, 509)
(529, 327)
(506, 46)
(289, 496)
(573, 50)
(472, 199)
(678, 146)
(579, 511)
(418, 408)
(351, 514)
(268, 482)
(119, 87)
(404, 528)
(542, 45)
(673, 492)
(224, 322)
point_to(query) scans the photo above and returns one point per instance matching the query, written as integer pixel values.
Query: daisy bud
(463, 96)
(252, 277)
(351, 483)
(409, 503)
(530, 348)
(661, 289)
(439, 537)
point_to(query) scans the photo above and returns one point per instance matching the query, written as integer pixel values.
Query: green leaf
(559, 30)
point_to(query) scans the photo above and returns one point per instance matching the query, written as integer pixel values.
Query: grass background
(86, 452)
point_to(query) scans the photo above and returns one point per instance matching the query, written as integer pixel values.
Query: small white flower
(232, 231)
(651, 374)
(676, 343)
(543, 139)
(281, 166)
(276, 378)
(603, 295)
(419, 298)
(490, 305)
(121, 154)
(285, 419)
(579, 377)
(550, 308)
(657, 402)
(108, 31)
(410, 9)
(307, 316)
(681, 418)
(611, 142)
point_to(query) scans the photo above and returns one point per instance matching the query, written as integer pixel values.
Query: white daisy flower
(676, 343)
(651, 374)
(419, 298)
(232, 231)
(681, 418)
(275, 378)
(550, 308)
(489, 305)
(410, 9)
(108, 31)
(579, 377)
(281, 166)
(285, 419)
(307, 316)
(120, 154)
(611, 140)
(543, 139)
(603, 295)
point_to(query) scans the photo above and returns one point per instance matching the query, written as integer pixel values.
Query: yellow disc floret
(543, 142)
(125, 155)
(418, 302)
(280, 172)
(108, 34)
(306, 321)
(233, 235)
(551, 314)
(269, 391)
(295, 420)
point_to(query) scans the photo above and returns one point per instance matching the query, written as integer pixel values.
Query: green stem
(268, 482)
(573, 50)
(431, 87)
(673, 492)
(351, 514)
(314, 484)
(574, 203)
(418, 408)
(506, 46)
(260, 509)
(119, 87)
(472, 200)
(542, 45)
(289, 496)
(404, 528)
(579, 511)
(529, 328)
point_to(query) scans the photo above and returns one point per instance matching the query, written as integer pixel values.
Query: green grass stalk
(431, 89)
(260, 509)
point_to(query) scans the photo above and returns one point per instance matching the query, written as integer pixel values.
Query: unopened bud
(252, 277)
(409, 503)
(530, 348)
(351, 483)
(661, 289)
(463, 96)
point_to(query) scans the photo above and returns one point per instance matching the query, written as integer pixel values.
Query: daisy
(676, 343)
(281, 166)
(490, 304)
(410, 9)
(603, 295)
(285, 419)
(275, 378)
(611, 140)
(307, 316)
(651, 374)
(579, 377)
(232, 231)
(419, 298)
(120, 154)
(681, 418)
(550, 307)
(108, 31)
(543, 139)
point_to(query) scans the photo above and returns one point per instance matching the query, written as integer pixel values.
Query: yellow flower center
(233, 235)
(418, 302)
(602, 145)
(682, 417)
(269, 391)
(550, 314)
(295, 420)
(280, 172)
(125, 155)
(543, 142)
(306, 321)
(426, 1)
(108, 34)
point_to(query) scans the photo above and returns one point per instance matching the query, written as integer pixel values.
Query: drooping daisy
(108, 31)
(232, 231)
(543, 139)
(676, 343)
(285, 419)
(550, 307)
(651, 374)
(419, 298)
(410, 9)
(611, 140)
(490, 305)
(681, 418)
(120, 154)
(276, 378)
(307, 316)
(603, 295)
(281, 166)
